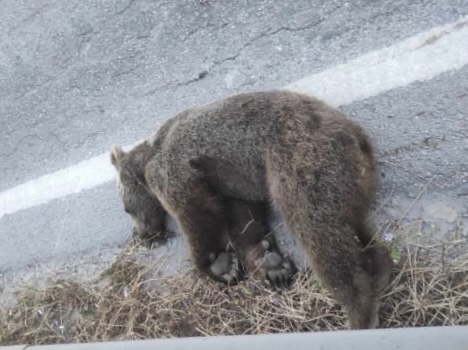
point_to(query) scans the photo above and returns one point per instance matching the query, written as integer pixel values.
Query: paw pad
(225, 267)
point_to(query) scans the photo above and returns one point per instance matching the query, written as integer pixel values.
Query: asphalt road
(79, 76)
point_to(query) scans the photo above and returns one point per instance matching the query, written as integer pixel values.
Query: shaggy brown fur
(211, 165)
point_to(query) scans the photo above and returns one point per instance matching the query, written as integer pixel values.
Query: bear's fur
(216, 168)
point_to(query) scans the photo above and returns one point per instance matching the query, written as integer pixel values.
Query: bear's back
(230, 137)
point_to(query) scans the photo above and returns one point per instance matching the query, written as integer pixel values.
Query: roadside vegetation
(129, 300)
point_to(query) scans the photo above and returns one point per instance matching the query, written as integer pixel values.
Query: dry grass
(128, 302)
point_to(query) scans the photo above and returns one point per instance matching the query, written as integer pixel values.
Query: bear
(218, 167)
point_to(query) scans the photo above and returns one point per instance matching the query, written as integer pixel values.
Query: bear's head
(138, 200)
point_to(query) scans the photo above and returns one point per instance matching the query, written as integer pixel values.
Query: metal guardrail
(430, 338)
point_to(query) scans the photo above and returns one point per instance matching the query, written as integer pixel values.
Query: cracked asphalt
(78, 76)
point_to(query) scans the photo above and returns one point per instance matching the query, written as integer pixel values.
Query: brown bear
(217, 168)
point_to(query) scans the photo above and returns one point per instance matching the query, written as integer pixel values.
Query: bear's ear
(116, 155)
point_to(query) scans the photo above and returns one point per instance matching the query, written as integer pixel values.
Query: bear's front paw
(225, 267)
(273, 268)
(151, 240)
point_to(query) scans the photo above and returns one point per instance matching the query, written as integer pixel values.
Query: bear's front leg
(255, 245)
(201, 216)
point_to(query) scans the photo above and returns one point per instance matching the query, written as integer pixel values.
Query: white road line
(418, 58)
(74, 179)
